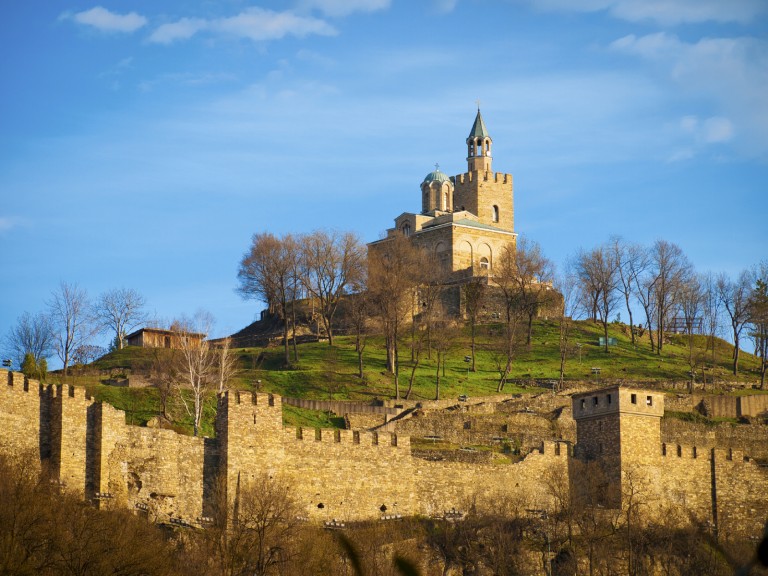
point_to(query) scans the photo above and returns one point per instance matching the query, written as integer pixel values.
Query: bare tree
(711, 308)
(533, 281)
(71, 320)
(668, 269)
(197, 371)
(445, 339)
(734, 296)
(509, 277)
(598, 271)
(394, 271)
(645, 295)
(226, 364)
(32, 334)
(474, 296)
(120, 310)
(691, 299)
(259, 536)
(758, 318)
(567, 286)
(267, 273)
(332, 262)
(632, 260)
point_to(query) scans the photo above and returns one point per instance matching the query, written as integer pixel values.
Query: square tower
(619, 428)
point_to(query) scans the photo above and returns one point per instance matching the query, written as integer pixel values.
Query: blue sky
(142, 143)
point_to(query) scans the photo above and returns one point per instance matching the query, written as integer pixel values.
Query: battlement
(684, 451)
(66, 391)
(17, 382)
(557, 448)
(346, 437)
(238, 397)
(498, 177)
(615, 400)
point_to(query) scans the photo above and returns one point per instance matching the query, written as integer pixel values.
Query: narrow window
(445, 202)
(406, 229)
(609, 398)
(495, 213)
(594, 401)
(633, 399)
(583, 403)
(649, 401)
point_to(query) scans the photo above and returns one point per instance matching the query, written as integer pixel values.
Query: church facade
(465, 220)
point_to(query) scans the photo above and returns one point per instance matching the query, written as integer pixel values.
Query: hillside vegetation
(330, 372)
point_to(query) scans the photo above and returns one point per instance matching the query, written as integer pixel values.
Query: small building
(159, 338)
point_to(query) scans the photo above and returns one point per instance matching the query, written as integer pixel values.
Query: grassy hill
(325, 372)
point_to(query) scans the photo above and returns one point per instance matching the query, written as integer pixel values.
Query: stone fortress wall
(345, 475)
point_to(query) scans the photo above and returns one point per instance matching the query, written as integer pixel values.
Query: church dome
(436, 176)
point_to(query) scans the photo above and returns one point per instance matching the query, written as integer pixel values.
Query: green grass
(327, 372)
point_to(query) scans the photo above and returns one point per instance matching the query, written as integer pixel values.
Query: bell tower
(479, 147)
(480, 191)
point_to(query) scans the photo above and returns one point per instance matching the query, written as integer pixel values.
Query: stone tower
(480, 191)
(466, 221)
(620, 429)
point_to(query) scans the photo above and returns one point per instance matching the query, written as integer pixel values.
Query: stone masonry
(346, 475)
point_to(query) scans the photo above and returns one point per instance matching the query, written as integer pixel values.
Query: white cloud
(254, 23)
(260, 24)
(665, 12)
(729, 75)
(445, 6)
(8, 223)
(338, 8)
(106, 21)
(713, 130)
(717, 129)
(179, 30)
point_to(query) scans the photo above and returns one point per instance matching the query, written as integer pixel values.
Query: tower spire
(479, 145)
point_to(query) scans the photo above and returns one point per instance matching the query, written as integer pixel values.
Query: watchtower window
(495, 213)
(649, 401)
(633, 398)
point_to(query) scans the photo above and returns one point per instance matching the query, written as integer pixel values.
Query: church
(465, 220)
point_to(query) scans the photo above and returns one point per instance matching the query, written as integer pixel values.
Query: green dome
(436, 176)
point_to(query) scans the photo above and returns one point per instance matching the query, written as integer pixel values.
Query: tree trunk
(286, 352)
(472, 333)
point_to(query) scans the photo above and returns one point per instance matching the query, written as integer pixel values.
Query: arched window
(484, 264)
(495, 213)
(406, 228)
(445, 202)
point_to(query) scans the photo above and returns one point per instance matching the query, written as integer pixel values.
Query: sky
(144, 142)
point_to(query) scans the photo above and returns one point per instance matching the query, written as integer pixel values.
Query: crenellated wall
(347, 475)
